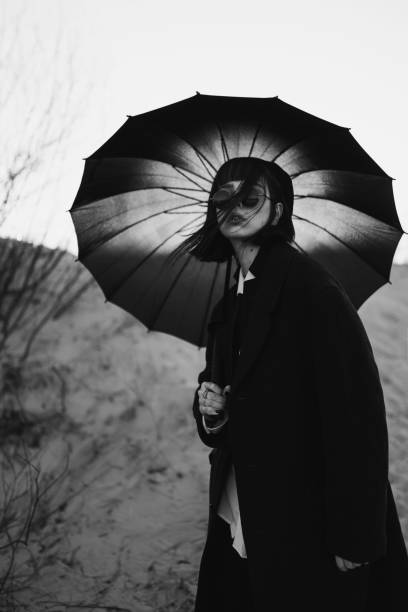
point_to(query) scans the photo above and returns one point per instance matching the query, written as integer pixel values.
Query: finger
(213, 396)
(216, 401)
(206, 410)
(205, 390)
(352, 564)
(212, 386)
(202, 388)
(348, 564)
(210, 406)
(211, 412)
(340, 564)
(214, 409)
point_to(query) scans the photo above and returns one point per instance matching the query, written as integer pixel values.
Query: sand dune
(127, 523)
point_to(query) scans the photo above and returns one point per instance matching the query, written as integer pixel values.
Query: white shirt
(228, 508)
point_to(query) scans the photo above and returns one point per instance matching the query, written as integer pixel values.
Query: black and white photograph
(203, 306)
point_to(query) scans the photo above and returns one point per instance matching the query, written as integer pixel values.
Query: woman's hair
(208, 244)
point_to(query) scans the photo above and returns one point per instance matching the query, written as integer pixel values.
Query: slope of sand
(385, 316)
(125, 526)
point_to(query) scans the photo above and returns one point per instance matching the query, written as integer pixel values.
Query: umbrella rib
(223, 143)
(292, 144)
(316, 197)
(174, 166)
(127, 227)
(183, 195)
(203, 159)
(176, 212)
(361, 174)
(96, 203)
(168, 211)
(300, 248)
(184, 205)
(133, 270)
(172, 285)
(297, 142)
(343, 243)
(177, 169)
(288, 147)
(186, 189)
(254, 139)
(200, 155)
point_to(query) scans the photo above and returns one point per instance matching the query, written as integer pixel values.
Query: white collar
(242, 279)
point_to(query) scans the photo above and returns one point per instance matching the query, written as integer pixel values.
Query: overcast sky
(345, 62)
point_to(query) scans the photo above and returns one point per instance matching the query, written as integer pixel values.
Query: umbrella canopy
(146, 189)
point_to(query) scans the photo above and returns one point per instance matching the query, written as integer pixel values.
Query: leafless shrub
(171, 589)
(25, 504)
(40, 102)
(36, 285)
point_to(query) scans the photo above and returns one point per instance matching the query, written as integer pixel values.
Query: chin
(238, 233)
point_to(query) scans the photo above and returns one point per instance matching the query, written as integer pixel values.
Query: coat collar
(259, 260)
(269, 267)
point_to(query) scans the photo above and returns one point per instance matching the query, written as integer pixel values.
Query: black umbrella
(147, 188)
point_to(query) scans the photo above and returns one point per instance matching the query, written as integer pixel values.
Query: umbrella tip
(129, 116)
(198, 93)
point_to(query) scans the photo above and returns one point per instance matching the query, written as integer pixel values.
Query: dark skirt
(223, 581)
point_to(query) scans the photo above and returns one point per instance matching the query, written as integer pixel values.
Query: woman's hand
(344, 564)
(212, 399)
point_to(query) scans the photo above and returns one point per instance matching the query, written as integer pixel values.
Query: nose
(236, 209)
(239, 209)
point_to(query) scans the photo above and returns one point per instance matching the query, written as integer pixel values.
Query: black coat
(308, 437)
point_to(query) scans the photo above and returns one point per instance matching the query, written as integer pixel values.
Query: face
(242, 222)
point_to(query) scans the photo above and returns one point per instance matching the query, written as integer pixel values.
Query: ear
(278, 212)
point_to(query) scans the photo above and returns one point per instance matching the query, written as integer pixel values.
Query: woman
(301, 510)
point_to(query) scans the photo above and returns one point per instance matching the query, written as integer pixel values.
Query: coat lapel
(271, 267)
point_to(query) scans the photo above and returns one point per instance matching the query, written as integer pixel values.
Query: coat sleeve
(209, 439)
(353, 428)
(215, 429)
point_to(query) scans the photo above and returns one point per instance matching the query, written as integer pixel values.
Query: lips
(235, 219)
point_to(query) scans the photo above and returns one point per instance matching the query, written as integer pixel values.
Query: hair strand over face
(208, 244)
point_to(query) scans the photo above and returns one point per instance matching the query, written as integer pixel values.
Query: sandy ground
(125, 524)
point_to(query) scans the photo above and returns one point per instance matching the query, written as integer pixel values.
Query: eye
(250, 202)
